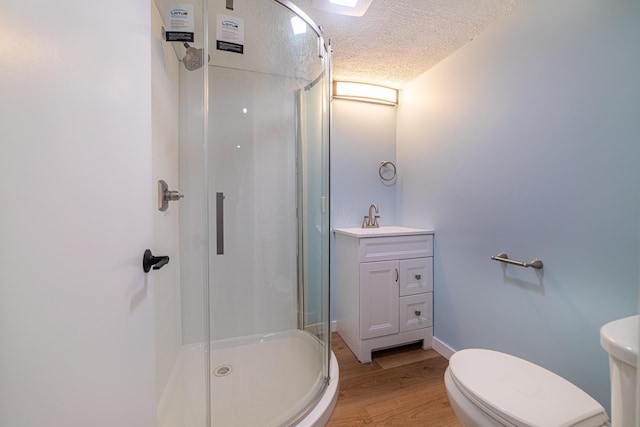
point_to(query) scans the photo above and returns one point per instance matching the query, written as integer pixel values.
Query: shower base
(264, 380)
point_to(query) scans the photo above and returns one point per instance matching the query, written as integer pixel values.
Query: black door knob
(157, 262)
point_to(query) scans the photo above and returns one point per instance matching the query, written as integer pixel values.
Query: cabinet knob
(418, 276)
(417, 312)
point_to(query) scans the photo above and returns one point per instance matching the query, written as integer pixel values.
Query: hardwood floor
(400, 387)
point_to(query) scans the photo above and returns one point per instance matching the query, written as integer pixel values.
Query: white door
(378, 298)
(76, 311)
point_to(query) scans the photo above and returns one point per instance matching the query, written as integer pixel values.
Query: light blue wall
(362, 136)
(527, 141)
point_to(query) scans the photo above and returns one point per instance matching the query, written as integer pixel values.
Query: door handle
(397, 275)
(219, 223)
(157, 262)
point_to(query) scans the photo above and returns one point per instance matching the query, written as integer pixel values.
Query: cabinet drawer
(395, 247)
(416, 312)
(416, 276)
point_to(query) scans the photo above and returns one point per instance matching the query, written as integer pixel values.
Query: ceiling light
(298, 25)
(347, 3)
(365, 92)
(343, 7)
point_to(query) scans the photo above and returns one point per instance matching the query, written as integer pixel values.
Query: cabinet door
(416, 276)
(378, 298)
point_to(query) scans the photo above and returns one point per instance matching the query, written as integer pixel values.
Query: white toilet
(488, 388)
(620, 338)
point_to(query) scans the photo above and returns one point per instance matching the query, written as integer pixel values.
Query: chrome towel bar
(502, 257)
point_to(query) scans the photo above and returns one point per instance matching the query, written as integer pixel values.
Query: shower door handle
(219, 223)
(157, 262)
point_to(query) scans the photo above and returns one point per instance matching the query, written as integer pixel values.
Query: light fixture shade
(365, 92)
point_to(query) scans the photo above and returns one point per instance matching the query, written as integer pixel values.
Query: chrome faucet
(371, 221)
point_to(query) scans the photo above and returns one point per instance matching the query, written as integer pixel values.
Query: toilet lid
(521, 392)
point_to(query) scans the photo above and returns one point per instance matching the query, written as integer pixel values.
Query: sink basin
(620, 339)
(389, 230)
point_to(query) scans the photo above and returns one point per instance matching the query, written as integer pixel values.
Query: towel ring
(382, 165)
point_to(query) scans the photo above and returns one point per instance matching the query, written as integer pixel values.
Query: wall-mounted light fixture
(365, 92)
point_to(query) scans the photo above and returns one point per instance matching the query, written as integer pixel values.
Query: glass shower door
(267, 179)
(313, 208)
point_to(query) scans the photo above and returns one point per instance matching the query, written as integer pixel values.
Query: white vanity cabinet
(384, 288)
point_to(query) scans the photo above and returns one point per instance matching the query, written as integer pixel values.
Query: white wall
(76, 311)
(527, 141)
(193, 274)
(252, 160)
(165, 79)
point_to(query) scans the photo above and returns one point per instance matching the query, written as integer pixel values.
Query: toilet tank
(620, 339)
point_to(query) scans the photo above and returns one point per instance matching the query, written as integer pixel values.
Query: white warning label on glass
(230, 33)
(179, 23)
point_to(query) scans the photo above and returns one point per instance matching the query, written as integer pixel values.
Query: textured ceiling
(397, 40)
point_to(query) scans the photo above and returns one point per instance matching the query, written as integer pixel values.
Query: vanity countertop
(391, 230)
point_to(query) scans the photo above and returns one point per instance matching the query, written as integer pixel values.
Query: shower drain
(222, 370)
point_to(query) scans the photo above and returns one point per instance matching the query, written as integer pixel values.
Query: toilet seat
(519, 393)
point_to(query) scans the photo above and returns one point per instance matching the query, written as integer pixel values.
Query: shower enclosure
(254, 221)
